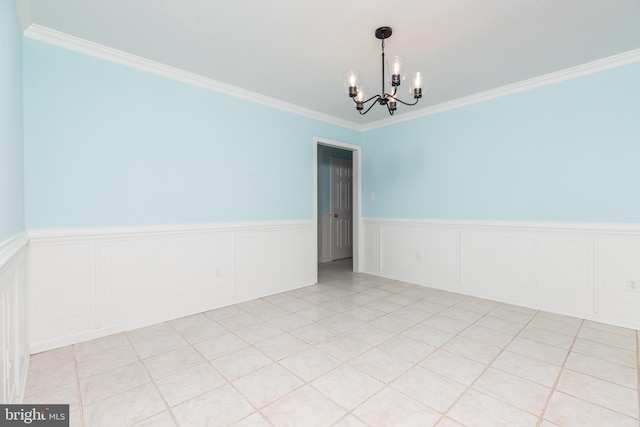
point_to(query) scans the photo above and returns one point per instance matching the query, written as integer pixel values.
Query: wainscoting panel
(421, 254)
(581, 270)
(618, 265)
(274, 261)
(553, 270)
(14, 355)
(142, 277)
(504, 263)
(371, 243)
(94, 282)
(62, 289)
(127, 273)
(567, 271)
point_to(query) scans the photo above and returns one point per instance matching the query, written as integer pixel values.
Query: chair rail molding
(575, 269)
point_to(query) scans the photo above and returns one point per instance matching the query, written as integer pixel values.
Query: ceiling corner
(24, 13)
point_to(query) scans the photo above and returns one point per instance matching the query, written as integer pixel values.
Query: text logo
(34, 415)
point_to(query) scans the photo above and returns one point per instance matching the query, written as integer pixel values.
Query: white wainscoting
(580, 270)
(14, 357)
(87, 283)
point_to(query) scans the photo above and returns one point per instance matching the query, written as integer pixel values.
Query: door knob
(335, 215)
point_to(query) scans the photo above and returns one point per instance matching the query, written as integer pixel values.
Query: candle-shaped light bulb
(392, 104)
(359, 98)
(416, 87)
(351, 81)
(396, 70)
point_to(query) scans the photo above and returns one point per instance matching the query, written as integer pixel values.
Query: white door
(341, 209)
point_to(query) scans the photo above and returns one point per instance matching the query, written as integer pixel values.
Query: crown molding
(76, 44)
(593, 67)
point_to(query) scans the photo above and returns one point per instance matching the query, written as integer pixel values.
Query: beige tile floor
(353, 350)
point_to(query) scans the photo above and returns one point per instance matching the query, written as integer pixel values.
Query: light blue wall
(324, 175)
(106, 145)
(11, 143)
(564, 152)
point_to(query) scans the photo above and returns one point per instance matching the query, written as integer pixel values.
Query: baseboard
(87, 283)
(575, 269)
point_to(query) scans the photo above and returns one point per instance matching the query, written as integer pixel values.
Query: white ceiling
(296, 51)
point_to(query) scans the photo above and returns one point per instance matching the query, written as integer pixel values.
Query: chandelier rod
(383, 92)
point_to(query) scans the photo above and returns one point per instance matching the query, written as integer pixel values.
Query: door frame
(357, 197)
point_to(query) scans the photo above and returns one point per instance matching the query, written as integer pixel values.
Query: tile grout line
(78, 389)
(443, 414)
(206, 362)
(592, 376)
(445, 307)
(388, 384)
(308, 382)
(414, 365)
(251, 345)
(305, 383)
(607, 380)
(487, 367)
(153, 383)
(227, 380)
(562, 369)
(348, 412)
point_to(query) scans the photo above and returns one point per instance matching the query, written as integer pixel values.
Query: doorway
(337, 237)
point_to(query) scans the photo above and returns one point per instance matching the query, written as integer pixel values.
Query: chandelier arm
(407, 103)
(370, 106)
(376, 97)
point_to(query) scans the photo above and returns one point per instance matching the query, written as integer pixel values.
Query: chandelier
(395, 68)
